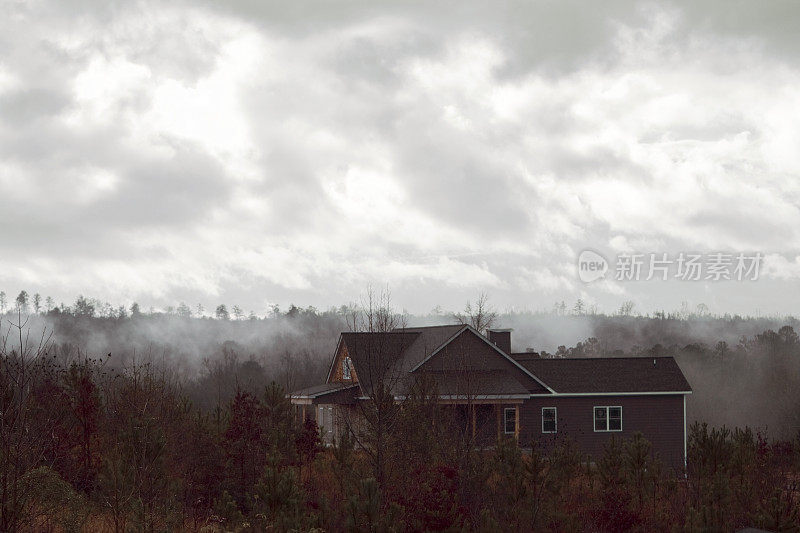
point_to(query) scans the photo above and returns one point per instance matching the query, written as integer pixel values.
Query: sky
(258, 153)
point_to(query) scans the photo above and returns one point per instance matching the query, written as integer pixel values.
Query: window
(346, 368)
(549, 420)
(510, 420)
(608, 418)
(325, 419)
(321, 417)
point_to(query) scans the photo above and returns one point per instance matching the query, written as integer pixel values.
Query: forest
(163, 421)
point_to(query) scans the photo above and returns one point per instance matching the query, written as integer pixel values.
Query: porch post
(304, 413)
(516, 422)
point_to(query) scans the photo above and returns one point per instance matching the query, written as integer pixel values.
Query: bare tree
(380, 344)
(626, 309)
(24, 424)
(479, 315)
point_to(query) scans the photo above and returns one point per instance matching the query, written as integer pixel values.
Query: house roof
(321, 390)
(428, 340)
(391, 359)
(378, 356)
(608, 375)
(401, 349)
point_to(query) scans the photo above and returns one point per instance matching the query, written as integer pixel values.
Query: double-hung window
(510, 420)
(608, 418)
(549, 424)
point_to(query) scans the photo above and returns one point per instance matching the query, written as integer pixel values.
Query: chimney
(501, 338)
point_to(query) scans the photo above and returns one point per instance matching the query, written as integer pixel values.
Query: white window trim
(505, 420)
(608, 419)
(555, 419)
(347, 372)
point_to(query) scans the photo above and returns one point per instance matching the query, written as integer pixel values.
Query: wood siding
(336, 374)
(659, 418)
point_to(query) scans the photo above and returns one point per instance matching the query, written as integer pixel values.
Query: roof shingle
(609, 374)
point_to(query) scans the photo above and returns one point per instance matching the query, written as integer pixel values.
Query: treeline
(744, 371)
(83, 306)
(83, 447)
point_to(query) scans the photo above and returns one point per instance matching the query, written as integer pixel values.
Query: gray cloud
(256, 152)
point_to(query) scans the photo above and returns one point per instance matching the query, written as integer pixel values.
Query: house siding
(658, 417)
(468, 352)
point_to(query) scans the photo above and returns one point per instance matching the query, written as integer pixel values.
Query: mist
(744, 371)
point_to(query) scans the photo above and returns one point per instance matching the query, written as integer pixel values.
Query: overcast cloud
(260, 152)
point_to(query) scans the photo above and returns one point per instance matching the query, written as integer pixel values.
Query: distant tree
(49, 304)
(135, 310)
(626, 309)
(84, 307)
(579, 308)
(200, 310)
(3, 301)
(37, 303)
(22, 301)
(237, 312)
(222, 312)
(183, 310)
(560, 308)
(122, 312)
(479, 315)
(252, 315)
(106, 309)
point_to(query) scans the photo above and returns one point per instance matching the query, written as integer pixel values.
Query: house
(497, 392)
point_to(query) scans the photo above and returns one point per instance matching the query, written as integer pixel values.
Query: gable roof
(490, 344)
(610, 374)
(376, 355)
(429, 340)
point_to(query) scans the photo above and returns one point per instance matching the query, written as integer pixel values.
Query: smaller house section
(600, 397)
(495, 392)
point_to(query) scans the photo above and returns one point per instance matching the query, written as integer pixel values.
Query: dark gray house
(498, 392)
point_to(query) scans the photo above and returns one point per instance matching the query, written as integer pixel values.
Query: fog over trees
(744, 370)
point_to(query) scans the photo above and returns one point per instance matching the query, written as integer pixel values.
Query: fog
(744, 371)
